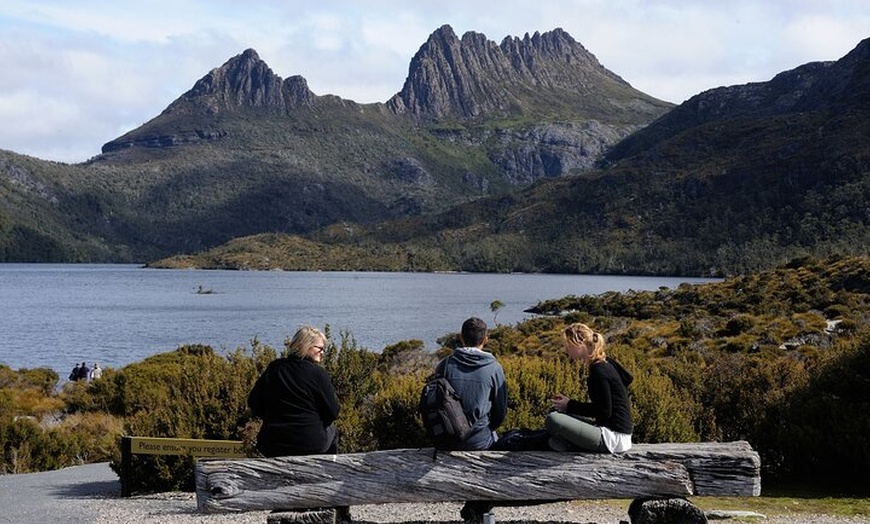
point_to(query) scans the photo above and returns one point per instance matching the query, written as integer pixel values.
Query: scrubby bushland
(33, 437)
(821, 429)
(190, 393)
(781, 359)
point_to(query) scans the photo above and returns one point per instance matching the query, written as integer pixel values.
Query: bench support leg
(650, 510)
(310, 516)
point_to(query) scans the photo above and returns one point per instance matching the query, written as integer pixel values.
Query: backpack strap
(440, 371)
(441, 367)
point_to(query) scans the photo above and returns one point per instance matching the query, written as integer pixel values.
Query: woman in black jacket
(295, 398)
(604, 424)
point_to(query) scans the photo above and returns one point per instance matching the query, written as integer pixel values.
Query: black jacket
(609, 406)
(295, 398)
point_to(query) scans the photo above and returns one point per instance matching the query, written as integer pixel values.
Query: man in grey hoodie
(478, 379)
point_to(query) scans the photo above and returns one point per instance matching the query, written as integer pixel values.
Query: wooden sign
(186, 446)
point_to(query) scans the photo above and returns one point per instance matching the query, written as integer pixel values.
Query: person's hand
(560, 402)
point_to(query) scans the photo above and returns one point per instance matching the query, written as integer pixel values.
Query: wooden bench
(658, 471)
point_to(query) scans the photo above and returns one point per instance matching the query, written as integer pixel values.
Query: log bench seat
(647, 471)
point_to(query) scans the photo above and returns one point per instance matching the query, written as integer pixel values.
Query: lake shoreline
(57, 315)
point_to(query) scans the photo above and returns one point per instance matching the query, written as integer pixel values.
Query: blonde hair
(581, 334)
(303, 340)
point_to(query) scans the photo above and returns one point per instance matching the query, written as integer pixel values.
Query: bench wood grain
(420, 475)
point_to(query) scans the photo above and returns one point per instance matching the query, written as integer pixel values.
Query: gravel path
(71, 495)
(91, 494)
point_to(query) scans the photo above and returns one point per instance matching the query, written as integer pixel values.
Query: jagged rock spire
(244, 81)
(475, 76)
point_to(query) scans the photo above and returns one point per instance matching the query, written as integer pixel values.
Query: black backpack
(441, 409)
(523, 439)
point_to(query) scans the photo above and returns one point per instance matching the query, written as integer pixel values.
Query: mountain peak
(243, 81)
(548, 77)
(474, 76)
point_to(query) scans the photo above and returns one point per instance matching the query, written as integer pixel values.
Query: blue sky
(78, 73)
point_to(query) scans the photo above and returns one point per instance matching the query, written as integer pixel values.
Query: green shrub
(354, 376)
(34, 436)
(820, 429)
(741, 390)
(532, 382)
(43, 379)
(738, 324)
(660, 411)
(189, 393)
(22, 440)
(393, 421)
(835, 311)
(100, 395)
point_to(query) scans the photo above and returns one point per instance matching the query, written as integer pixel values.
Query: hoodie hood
(623, 373)
(472, 358)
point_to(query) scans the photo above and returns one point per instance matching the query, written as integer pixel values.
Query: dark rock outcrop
(551, 150)
(665, 511)
(243, 82)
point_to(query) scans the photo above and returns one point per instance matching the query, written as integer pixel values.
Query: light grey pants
(580, 432)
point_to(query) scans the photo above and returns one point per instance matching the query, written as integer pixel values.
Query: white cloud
(39, 123)
(100, 66)
(824, 37)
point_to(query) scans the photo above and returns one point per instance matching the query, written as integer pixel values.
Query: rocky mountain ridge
(735, 180)
(480, 171)
(547, 76)
(244, 81)
(472, 76)
(245, 151)
(818, 86)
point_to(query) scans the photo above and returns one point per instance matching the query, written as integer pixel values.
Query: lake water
(54, 315)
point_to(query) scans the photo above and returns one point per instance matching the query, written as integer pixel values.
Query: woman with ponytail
(602, 425)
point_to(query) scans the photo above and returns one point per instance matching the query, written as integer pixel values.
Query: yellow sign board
(187, 446)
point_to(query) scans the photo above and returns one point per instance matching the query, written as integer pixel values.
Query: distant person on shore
(604, 424)
(296, 400)
(96, 372)
(74, 375)
(84, 371)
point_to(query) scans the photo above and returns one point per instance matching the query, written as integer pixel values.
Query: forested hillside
(250, 171)
(735, 180)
